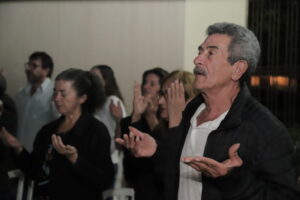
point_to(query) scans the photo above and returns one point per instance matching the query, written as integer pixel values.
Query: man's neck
(36, 85)
(217, 102)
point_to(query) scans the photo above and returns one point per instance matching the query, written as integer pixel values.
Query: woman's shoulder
(94, 123)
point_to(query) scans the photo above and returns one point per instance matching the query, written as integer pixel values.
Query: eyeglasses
(31, 65)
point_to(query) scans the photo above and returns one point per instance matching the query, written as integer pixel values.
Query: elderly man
(226, 145)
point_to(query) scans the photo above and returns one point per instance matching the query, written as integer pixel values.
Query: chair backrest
(30, 187)
(119, 194)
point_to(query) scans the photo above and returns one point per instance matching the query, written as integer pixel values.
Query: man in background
(34, 102)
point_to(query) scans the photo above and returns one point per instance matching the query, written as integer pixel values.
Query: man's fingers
(131, 140)
(233, 155)
(120, 141)
(201, 167)
(233, 150)
(60, 142)
(54, 140)
(71, 149)
(210, 168)
(193, 165)
(126, 140)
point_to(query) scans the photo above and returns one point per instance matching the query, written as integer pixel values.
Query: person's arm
(10, 141)
(31, 163)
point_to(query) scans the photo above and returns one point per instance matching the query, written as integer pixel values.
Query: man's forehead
(216, 40)
(36, 60)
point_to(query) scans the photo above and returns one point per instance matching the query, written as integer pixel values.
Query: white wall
(199, 14)
(130, 36)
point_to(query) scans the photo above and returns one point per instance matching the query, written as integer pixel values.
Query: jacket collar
(80, 126)
(234, 115)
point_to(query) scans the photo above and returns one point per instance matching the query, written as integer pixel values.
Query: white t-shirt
(190, 182)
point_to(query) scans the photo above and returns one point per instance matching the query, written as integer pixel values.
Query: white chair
(119, 194)
(18, 174)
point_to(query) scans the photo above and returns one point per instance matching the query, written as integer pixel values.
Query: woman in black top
(71, 156)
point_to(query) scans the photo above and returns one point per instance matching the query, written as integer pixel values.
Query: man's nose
(199, 59)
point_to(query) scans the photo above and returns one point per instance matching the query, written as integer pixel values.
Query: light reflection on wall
(278, 82)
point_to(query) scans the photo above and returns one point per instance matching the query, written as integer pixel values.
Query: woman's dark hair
(85, 82)
(111, 86)
(158, 71)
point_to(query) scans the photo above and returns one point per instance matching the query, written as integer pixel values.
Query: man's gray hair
(244, 45)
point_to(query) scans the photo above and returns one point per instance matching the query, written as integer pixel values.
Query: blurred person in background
(112, 111)
(34, 102)
(145, 112)
(71, 155)
(8, 119)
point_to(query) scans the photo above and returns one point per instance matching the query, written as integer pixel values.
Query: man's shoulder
(262, 117)
(21, 94)
(47, 86)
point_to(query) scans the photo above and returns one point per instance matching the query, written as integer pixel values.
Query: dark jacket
(266, 150)
(56, 177)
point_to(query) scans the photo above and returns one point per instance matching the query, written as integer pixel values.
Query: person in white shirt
(112, 111)
(34, 102)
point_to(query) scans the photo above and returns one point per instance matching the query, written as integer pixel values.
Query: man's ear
(46, 71)
(239, 68)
